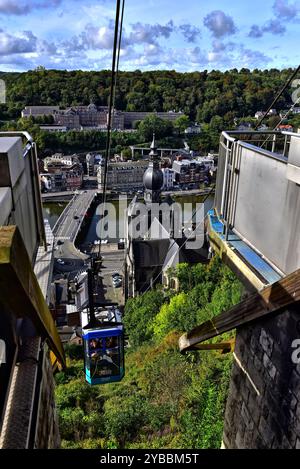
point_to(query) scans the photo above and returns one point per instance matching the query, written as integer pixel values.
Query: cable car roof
(103, 332)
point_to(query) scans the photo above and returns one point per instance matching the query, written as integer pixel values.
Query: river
(52, 211)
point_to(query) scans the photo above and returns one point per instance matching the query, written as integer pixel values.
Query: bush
(139, 315)
(124, 417)
(74, 351)
(76, 393)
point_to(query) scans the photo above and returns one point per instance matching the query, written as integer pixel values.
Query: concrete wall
(267, 209)
(263, 407)
(30, 419)
(47, 430)
(16, 179)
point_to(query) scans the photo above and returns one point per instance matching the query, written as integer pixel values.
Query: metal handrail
(230, 142)
(30, 146)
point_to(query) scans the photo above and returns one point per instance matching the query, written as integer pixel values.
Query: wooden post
(270, 300)
(20, 292)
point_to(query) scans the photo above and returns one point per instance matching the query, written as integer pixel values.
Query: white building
(193, 129)
(39, 111)
(53, 128)
(207, 161)
(259, 115)
(168, 175)
(68, 160)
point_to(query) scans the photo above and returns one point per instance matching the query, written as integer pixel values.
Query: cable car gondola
(104, 353)
(103, 339)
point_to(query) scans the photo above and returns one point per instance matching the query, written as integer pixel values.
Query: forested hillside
(166, 400)
(213, 99)
(201, 95)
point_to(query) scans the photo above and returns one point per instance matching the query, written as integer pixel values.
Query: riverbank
(63, 197)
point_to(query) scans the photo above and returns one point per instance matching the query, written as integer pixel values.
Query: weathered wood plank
(269, 300)
(224, 346)
(20, 292)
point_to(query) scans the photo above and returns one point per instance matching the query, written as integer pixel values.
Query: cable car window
(104, 356)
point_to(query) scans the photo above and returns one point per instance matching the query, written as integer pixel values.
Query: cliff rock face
(263, 407)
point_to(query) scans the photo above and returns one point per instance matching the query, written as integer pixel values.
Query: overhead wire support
(281, 120)
(288, 82)
(114, 71)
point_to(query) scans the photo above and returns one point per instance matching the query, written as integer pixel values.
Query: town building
(168, 175)
(258, 115)
(88, 117)
(189, 171)
(207, 161)
(244, 126)
(39, 111)
(193, 129)
(286, 127)
(126, 175)
(53, 128)
(61, 173)
(293, 111)
(62, 178)
(118, 120)
(130, 118)
(60, 158)
(91, 117)
(68, 118)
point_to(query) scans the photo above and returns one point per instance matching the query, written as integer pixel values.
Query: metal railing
(269, 144)
(30, 154)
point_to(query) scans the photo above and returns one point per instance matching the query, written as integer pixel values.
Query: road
(113, 261)
(70, 221)
(57, 195)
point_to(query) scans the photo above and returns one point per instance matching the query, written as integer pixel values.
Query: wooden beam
(269, 300)
(20, 292)
(225, 347)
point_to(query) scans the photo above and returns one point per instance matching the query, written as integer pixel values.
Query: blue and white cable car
(103, 339)
(104, 353)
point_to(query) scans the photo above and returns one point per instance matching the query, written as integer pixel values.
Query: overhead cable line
(281, 120)
(288, 82)
(114, 74)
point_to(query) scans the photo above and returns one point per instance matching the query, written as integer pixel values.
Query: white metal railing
(255, 197)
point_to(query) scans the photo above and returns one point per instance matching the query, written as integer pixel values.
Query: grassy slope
(166, 400)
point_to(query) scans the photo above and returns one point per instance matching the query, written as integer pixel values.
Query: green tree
(139, 315)
(124, 417)
(182, 123)
(152, 124)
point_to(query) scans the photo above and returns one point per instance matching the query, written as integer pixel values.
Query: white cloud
(147, 33)
(21, 43)
(220, 24)
(190, 32)
(285, 10)
(24, 7)
(272, 26)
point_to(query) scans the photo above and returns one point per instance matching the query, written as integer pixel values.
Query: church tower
(153, 177)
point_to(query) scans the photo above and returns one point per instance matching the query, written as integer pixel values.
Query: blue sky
(183, 35)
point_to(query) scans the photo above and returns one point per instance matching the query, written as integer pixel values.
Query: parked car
(117, 284)
(60, 261)
(115, 274)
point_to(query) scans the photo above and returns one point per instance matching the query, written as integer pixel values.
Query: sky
(185, 35)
